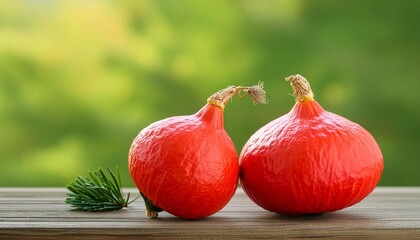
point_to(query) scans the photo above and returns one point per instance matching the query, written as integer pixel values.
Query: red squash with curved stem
(309, 161)
(188, 165)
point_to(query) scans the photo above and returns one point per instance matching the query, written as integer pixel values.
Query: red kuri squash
(188, 165)
(309, 161)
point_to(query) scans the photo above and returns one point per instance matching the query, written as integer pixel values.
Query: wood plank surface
(40, 213)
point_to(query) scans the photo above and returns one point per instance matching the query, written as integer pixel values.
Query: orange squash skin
(186, 165)
(310, 161)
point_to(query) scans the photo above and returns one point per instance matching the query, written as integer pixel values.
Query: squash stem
(223, 96)
(301, 88)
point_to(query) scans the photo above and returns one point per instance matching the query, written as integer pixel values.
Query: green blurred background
(80, 79)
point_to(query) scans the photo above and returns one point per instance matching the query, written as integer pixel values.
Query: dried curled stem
(301, 88)
(256, 92)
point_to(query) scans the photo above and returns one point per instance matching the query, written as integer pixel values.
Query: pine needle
(97, 193)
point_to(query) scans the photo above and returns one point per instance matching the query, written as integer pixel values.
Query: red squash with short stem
(188, 165)
(309, 161)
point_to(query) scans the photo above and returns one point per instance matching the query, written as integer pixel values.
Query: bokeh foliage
(80, 79)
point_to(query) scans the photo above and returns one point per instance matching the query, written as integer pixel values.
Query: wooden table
(40, 213)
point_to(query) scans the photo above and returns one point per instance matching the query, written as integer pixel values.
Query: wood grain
(40, 213)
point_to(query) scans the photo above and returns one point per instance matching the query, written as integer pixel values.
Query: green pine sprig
(97, 193)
